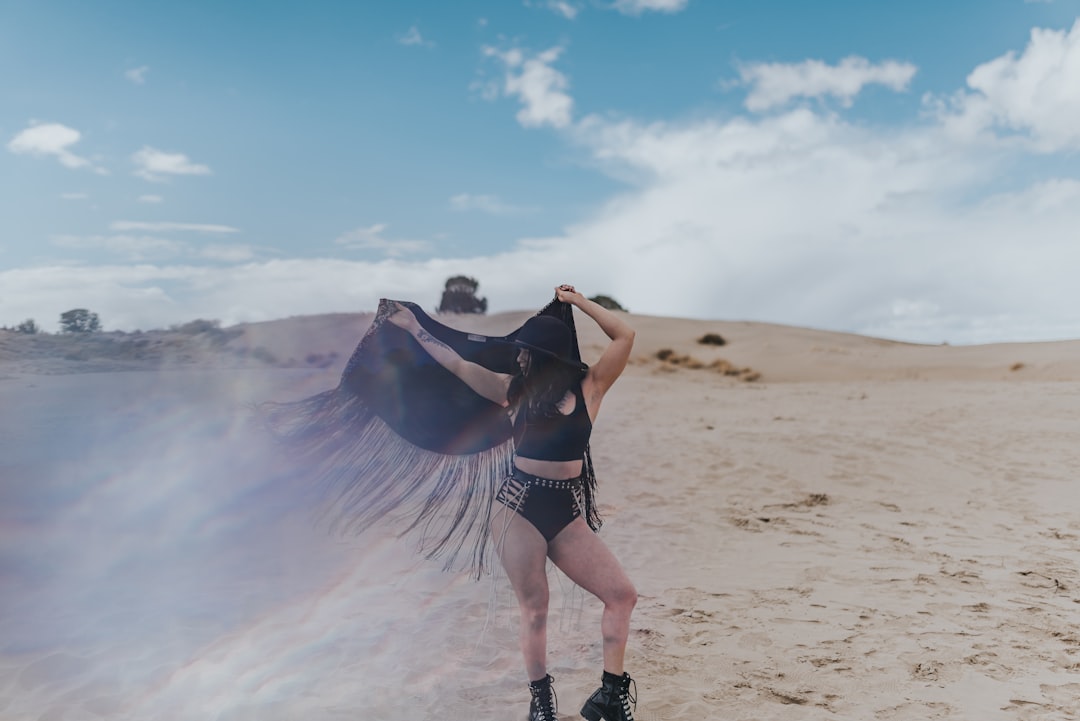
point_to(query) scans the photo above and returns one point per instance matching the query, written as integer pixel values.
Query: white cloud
(774, 84)
(167, 226)
(799, 219)
(565, 9)
(227, 253)
(637, 7)
(413, 37)
(804, 219)
(143, 248)
(794, 217)
(1036, 94)
(150, 199)
(49, 139)
(540, 87)
(486, 204)
(131, 247)
(156, 296)
(561, 7)
(486, 88)
(371, 239)
(153, 164)
(137, 75)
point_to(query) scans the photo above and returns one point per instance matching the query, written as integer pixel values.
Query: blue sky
(906, 170)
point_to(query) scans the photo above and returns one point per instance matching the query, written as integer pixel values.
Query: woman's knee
(534, 607)
(534, 617)
(623, 597)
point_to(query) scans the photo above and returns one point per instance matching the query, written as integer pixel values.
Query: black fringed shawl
(402, 438)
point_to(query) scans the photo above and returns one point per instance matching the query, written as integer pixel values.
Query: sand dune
(869, 530)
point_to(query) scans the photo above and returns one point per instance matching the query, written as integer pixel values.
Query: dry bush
(712, 339)
(722, 366)
(669, 356)
(1016, 366)
(670, 360)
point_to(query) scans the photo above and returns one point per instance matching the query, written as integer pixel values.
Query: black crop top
(553, 438)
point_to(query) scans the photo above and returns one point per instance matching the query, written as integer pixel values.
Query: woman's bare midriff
(553, 470)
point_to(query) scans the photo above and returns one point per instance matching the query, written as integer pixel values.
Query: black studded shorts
(549, 505)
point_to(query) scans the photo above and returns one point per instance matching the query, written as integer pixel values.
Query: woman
(553, 402)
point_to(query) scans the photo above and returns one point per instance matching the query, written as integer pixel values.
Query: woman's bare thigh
(523, 553)
(587, 561)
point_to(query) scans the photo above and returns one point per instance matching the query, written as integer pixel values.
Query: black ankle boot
(612, 701)
(542, 707)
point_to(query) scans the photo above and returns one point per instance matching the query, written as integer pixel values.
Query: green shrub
(28, 326)
(608, 302)
(79, 320)
(460, 296)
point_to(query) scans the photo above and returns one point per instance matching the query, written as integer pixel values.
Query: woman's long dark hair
(543, 385)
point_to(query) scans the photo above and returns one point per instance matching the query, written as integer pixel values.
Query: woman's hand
(403, 318)
(566, 294)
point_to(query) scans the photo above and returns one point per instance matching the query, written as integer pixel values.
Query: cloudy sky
(907, 170)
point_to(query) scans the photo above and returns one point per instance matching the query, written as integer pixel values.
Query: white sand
(872, 530)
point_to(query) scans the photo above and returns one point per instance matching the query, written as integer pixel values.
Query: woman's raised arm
(487, 383)
(607, 370)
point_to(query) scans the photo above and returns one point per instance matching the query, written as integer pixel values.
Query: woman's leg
(588, 562)
(523, 552)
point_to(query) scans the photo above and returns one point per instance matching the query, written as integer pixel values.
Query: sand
(868, 530)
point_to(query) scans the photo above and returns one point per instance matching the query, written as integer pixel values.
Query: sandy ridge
(872, 530)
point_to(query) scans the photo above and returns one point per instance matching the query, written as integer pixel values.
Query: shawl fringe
(401, 440)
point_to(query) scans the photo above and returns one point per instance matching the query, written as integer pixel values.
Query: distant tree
(460, 296)
(79, 320)
(608, 302)
(28, 326)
